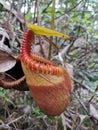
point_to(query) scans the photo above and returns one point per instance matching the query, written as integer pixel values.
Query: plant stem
(52, 26)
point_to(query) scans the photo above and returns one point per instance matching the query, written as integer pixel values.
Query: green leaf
(37, 111)
(1, 94)
(90, 84)
(28, 16)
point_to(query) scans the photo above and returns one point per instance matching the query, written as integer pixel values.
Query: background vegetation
(78, 19)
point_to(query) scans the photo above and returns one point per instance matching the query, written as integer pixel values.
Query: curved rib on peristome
(33, 61)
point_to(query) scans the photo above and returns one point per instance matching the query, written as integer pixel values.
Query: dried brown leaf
(6, 61)
(9, 29)
(93, 111)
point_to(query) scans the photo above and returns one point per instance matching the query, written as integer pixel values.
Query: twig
(69, 10)
(84, 86)
(44, 10)
(93, 94)
(13, 121)
(80, 102)
(62, 53)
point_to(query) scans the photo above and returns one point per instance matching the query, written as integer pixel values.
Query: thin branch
(46, 7)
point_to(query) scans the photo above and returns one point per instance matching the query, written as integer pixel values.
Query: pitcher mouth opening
(16, 72)
(14, 78)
